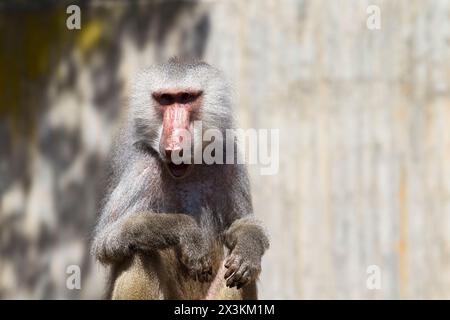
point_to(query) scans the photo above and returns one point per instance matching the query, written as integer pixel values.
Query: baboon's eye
(186, 97)
(165, 98)
(171, 97)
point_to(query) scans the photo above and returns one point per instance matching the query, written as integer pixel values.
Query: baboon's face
(172, 106)
(177, 108)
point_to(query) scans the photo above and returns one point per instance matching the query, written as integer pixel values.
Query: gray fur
(148, 211)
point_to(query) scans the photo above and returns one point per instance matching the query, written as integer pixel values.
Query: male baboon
(178, 231)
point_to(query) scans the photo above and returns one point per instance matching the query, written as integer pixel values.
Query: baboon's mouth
(178, 170)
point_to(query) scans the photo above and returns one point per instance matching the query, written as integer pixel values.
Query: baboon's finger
(244, 279)
(233, 267)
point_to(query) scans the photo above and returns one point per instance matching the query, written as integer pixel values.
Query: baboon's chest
(195, 199)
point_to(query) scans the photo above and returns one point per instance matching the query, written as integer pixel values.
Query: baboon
(186, 230)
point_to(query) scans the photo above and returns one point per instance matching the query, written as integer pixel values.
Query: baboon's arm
(247, 241)
(126, 225)
(150, 232)
(144, 232)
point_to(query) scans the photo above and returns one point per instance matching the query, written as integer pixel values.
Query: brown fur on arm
(150, 232)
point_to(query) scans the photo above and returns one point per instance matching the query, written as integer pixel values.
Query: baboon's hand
(194, 254)
(247, 242)
(242, 268)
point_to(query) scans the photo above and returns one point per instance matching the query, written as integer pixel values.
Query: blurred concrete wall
(363, 114)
